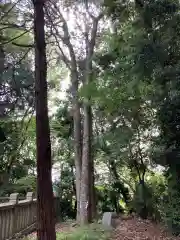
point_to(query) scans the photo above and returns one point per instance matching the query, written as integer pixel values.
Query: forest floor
(126, 229)
(138, 229)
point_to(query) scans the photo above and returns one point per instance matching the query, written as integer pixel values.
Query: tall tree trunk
(92, 202)
(92, 208)
(77, 137)
(78, 154)
(2, 60)
(85, 174)
(45, 201)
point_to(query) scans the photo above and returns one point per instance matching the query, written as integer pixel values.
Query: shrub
(91, 232)
(110, 198)
(142, 201)
(171, 214)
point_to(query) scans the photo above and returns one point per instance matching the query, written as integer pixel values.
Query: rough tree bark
(83, 160)
(88, 210)
(45, 201)
(85, 174)
(88, 207)
(77, 138)
(72, 66)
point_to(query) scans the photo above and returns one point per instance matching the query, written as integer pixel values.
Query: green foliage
(21, 186)
(26, 184)
(150, 60)
(17, 155)
(16, 75)
(158, 186)
(171, 213)
(142, 200)
(62, 124)
(109, 197)
(91, 232)
(65, 189)
(148, 200)
(134, 93)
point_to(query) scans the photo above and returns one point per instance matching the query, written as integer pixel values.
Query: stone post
(30, 214)
(13, 199)
(30, 196)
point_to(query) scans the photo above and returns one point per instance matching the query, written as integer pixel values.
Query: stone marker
(107, 219)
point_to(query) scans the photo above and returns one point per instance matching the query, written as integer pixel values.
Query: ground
(126, 229)
(138, 229)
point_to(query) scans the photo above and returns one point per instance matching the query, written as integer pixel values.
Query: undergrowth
(90, 232)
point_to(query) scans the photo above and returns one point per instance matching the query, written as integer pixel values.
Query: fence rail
(19, 216)
(7, 199)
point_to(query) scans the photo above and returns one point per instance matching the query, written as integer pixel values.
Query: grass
(90, 232)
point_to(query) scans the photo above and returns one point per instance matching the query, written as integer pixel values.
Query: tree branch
(135, 162)
(23, 45)
(63, 57)
(93, 34)
(12, 39)
(66, 38)
(12, 25)
(6, 13)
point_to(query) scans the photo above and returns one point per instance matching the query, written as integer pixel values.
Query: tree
(17, 82)
(78, 60)
(17, 93)
(160, 21)
(125, 97)
(45, 200)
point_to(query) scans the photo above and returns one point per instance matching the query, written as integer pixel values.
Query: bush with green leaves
(148, 197)
(21, 186)
(142, 200)
(171, 206)
(109, 198)
(158, 186)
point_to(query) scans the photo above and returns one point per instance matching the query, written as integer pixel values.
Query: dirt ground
(138, 229)
(127, 229)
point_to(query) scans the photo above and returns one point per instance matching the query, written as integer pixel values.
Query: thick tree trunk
(85, 174)
(77, 137)
(45, 203)
(92, 200)
(92, 210)
(92, 205)
(78, 154)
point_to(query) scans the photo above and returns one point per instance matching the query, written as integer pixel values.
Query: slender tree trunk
(45, 201)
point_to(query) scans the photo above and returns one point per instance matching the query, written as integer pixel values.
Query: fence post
(13, 199)
(30, 214)
(30, 196)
